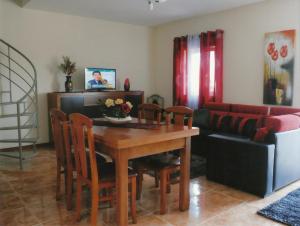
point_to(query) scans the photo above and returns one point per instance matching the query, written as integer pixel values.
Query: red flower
(271, 48)
(125, 108)
(275, 55)
(284, 51)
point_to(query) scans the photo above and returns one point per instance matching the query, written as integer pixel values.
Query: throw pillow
(261, 134)
(214, 118)
(248, 127)
(214, 121)
(224, 123)
(235, 124)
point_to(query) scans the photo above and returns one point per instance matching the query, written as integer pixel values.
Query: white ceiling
(137, 11)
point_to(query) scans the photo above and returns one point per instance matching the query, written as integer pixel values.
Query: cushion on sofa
(215, 119)
(224, 123)
(235, 124)
(250, 109)
(283, 110)
(297, 114)
(259, 118)
(282, 123)
(248, 127)
(201, 118)
(217, 106)
(261, 134)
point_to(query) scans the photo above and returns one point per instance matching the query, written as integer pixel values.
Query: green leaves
(68, 67)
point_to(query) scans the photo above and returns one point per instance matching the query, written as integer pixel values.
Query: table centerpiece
(117, 111)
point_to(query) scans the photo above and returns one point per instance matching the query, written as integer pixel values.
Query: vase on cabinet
(68, 84)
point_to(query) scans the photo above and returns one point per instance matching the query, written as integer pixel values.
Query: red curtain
(211, 89)
(180, 71)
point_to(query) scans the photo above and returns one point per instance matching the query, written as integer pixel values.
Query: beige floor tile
(242, 215)
(202, 207)
(10, 201)
(28, 198)
(17, 217)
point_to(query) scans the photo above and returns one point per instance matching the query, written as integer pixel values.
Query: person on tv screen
(98, 80)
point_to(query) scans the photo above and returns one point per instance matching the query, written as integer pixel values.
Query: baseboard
(27, 147)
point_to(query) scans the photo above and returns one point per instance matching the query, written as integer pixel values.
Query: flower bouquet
(117, 111)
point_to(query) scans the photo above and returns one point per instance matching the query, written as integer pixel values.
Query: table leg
(122, 188)
(185, 159)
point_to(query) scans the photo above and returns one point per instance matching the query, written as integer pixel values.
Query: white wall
(144, 54)
(45, 37)
(243, 47)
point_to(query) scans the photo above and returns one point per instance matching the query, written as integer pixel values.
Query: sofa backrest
(282, 123)
(283, 110)
(249, 109)
(217, 106)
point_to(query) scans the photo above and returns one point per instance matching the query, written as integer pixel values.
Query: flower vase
(116, 120)
(126, 84)
(68, 84)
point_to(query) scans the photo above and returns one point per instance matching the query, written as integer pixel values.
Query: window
(193, 79)
(212, 65)
(198, 69)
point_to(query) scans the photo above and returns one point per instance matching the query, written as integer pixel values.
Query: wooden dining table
(123, 144)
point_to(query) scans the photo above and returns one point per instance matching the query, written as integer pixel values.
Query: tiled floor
(28, 198)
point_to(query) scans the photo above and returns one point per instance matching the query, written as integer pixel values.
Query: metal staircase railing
(18, 101)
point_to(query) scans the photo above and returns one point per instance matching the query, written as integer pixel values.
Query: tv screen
(100, 78)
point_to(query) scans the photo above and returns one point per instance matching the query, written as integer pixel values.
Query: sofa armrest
(287, 158)
(241, 163)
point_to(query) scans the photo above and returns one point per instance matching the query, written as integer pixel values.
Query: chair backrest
(82, 138)
(150, 112)
(180, 114)
(57, 119)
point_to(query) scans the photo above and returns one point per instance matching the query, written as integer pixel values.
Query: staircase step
(15, 127)
(11, 103)
(25, 140)
(15, 115)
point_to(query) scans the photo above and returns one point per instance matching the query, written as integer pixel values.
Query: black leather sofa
(260, 167)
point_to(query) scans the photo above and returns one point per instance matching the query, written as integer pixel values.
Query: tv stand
(86, 103)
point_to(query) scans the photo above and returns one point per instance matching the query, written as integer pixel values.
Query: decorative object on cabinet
(68, 68)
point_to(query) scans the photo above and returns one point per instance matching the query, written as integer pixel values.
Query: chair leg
(69, 188)
(163, 188)
(58, 180)
(133, 200)
(156, 176)
(78, 199)
(111, 201)
(95, 203)
(168, 182)
(139, 184)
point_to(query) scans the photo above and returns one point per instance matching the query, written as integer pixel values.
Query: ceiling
(137, 11)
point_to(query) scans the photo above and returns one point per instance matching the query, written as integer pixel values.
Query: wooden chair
(151, 113)
(60, 132)
(165, 165)
(64, 155)
(99, 177)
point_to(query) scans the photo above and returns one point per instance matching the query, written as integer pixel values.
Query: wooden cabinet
(87, 102)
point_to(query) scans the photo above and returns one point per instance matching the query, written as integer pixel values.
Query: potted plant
(68, 68)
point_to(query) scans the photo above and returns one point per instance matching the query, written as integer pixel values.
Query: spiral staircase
(18, 103)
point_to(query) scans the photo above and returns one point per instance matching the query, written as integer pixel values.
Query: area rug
(285, 210)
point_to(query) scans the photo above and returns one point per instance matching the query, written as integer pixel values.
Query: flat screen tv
(100, 78)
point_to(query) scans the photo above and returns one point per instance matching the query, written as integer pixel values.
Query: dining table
(135, 139)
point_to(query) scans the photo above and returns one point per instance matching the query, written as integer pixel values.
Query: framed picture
(279, 57)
